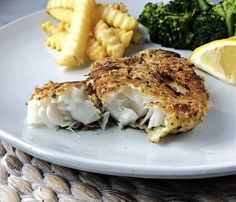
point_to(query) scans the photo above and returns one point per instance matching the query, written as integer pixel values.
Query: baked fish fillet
(156, 90)
(62, 105)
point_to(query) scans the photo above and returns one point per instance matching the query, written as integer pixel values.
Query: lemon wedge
(217, 58)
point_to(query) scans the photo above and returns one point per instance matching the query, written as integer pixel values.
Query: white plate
(208, 150)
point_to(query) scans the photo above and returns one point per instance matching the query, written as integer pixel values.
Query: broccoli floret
(150, 12)
(227, 9)
(218, 8)
(183, 6)
(172, 30)
(235, 25)
(204, 5)
(208, 26)
(186, 24)
(167, 25)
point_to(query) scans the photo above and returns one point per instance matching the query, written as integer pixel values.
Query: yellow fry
(55, 41)
(119, 6)
(136, 37)
(61, 14)
(123, 8)
(50, 28)
(95, 51)
(118, 19)
(108, 38)
(68, 4)
(64, 26)
(72, 54)
(125, 37)
(96, 16)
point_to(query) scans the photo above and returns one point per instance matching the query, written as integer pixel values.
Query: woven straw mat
(28, 179)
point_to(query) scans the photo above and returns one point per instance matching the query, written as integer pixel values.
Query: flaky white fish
(156, 90)
(62, 105)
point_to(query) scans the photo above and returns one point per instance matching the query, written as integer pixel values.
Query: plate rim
(120, 169)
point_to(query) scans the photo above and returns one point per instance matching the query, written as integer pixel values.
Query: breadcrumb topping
(160, 73)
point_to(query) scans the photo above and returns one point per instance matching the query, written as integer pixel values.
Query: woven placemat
(29, 179)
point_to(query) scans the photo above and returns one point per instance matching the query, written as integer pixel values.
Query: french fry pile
(86, 28)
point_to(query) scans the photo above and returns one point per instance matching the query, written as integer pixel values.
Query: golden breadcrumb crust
(161, 74)
(53, 89)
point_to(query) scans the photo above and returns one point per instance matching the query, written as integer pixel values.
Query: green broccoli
(208, 26)
(227, 9)
(183, 6)
(150, 13)
(187, 24)
(172, 30)
(167, 25)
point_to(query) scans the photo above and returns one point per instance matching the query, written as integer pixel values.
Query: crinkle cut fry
(109, 39)
(68, 4)
(118, 19)
(64, 26)
(136, 37)
(125, 37)
(95, 51)
(73, 51)
(55, 41)
(49, 28)
(61, 14)
(119, 6)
